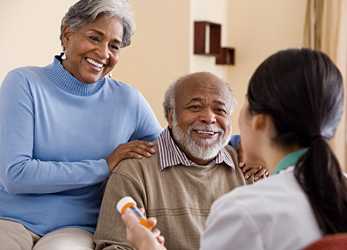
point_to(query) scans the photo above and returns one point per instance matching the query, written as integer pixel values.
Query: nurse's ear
(258, 122)
(263, 124)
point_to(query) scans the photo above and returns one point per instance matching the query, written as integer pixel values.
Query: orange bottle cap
(125, 203)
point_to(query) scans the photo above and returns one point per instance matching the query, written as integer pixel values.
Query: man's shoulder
(230, 149)
(233, 153)
(138, 166)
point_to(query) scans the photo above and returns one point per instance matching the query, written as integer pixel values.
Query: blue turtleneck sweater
(55, 133)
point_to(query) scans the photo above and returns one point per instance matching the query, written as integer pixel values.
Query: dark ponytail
(319, 174)
(302, 91)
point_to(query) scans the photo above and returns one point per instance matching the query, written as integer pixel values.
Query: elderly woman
(64, 127)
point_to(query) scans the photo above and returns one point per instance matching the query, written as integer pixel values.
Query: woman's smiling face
(92, 50)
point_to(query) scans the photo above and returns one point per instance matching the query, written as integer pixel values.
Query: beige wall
(160, 49)
(258, 29)
(217, 12)
(255, 29)
(162, 46)
(29, 32)
(159, 53)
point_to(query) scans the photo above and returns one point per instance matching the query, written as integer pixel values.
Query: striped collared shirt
(171, 155)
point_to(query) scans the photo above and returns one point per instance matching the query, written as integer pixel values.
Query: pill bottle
(128, 202)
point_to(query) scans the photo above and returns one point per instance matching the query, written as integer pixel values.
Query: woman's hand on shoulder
(253, 170)
(256, 171)
(133, 149)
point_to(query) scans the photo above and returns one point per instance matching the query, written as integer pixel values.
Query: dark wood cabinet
(226, 56)
(207, 38)
(207, 42)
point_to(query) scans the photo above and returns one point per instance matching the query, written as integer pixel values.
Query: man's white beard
(205, 151)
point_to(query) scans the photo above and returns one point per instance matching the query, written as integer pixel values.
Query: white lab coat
(273, 214)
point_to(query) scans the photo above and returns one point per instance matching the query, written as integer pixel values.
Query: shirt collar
(66, 81)
(289, 160)
(171, 155)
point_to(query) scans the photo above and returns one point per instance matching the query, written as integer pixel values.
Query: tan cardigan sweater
(179, 197)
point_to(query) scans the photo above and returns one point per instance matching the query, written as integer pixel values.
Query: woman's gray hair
(86, 11)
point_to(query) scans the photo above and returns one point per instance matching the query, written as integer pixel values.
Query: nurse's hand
(140, 237)
(133, 149)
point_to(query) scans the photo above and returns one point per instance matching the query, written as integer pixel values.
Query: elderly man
(192, 167)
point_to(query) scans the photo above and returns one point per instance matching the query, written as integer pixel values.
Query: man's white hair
(170, 95)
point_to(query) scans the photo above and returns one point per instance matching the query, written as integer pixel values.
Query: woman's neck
(275, 154)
